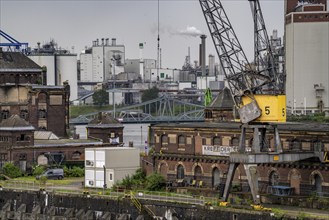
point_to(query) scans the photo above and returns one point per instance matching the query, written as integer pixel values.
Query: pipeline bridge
(160, 110)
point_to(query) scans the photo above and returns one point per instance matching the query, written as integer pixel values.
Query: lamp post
(113, 75)
(105, 185)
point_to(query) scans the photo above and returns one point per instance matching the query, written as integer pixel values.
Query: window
(111, 176)
(42, 113)
(23, 137)
(24, 114)
(204, 141)
(273, 179)
(215, 177)
(162, 75)
(317, 185)
(197, 173)
(4, 139)
(5, 114)
(76, 155)
(181, 139)
(164, 139)
(217, 141)
(235, 141)
(22, 156)
(180, 172)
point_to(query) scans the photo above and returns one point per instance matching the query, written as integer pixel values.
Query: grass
(65, 181)
(75, 111)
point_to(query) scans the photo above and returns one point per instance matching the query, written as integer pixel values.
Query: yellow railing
(139, 206)
(135, 201)
(326, 157)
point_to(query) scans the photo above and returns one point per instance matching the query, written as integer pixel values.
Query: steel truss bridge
(161, 110)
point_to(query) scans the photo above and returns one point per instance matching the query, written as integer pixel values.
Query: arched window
(163, 170)
(215, 177)
(317, 183)
(197, 173)
(76, 155)
(216, 141)
(181, 139)
(273, 178)
(180, 172)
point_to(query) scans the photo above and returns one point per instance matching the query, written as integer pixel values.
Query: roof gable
(16, 60)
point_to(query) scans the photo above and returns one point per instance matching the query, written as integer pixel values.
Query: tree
(148, 95)
(11, 170)
(155, 182)
(100, 97)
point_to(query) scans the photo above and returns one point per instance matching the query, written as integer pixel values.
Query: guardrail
(27, 185)
(106, 193)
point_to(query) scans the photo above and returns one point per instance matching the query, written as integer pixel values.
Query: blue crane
(12, 42)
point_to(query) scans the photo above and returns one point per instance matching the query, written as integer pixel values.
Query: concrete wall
(307, 64)
(51, 206)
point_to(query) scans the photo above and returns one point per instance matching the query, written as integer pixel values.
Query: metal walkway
(163, 109)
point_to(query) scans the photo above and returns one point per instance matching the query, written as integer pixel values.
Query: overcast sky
(74, 23)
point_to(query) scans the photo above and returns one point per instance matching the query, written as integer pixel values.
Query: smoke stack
(203, 54)
(107, 41)
(141, 61)
(114, 41)
(211, 61)
(38, 46)
(102, 41)
(97, 42)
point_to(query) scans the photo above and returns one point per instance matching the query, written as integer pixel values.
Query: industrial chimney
(203, 54)
(114, 41)
(141, 61)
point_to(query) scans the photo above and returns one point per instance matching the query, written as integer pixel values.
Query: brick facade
(170, 156)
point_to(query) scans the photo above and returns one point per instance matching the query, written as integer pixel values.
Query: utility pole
(113, 89)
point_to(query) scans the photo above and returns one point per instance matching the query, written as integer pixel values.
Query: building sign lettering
(217, 150)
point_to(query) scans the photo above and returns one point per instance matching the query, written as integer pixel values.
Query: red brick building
(23, 93)
(199, 151)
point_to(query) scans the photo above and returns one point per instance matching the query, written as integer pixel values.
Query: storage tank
(67, 71)
(49, 62)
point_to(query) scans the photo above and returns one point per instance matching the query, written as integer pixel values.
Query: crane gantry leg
(259, 148)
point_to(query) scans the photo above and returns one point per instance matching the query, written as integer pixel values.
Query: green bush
(38, 170)
(155, 182)
(77, 172)
(73, 172)
(127, 182)
(11, 170)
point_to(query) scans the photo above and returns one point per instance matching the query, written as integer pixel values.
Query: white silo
(141, 61)
(67, 71)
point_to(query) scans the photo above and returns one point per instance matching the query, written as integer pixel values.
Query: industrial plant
(224, 130)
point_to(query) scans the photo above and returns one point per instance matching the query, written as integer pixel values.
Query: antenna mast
(158, 49)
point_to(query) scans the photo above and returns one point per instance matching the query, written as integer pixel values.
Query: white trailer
(115, 162)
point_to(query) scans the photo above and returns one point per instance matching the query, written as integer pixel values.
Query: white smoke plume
(190, 31)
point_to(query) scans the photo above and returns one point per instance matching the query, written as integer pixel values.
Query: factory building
(96, 63)
(144, 70)
(22, 93)
(61, 66)
(307, 56)
(197, 154)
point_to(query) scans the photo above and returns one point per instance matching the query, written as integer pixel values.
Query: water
(136, 133)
